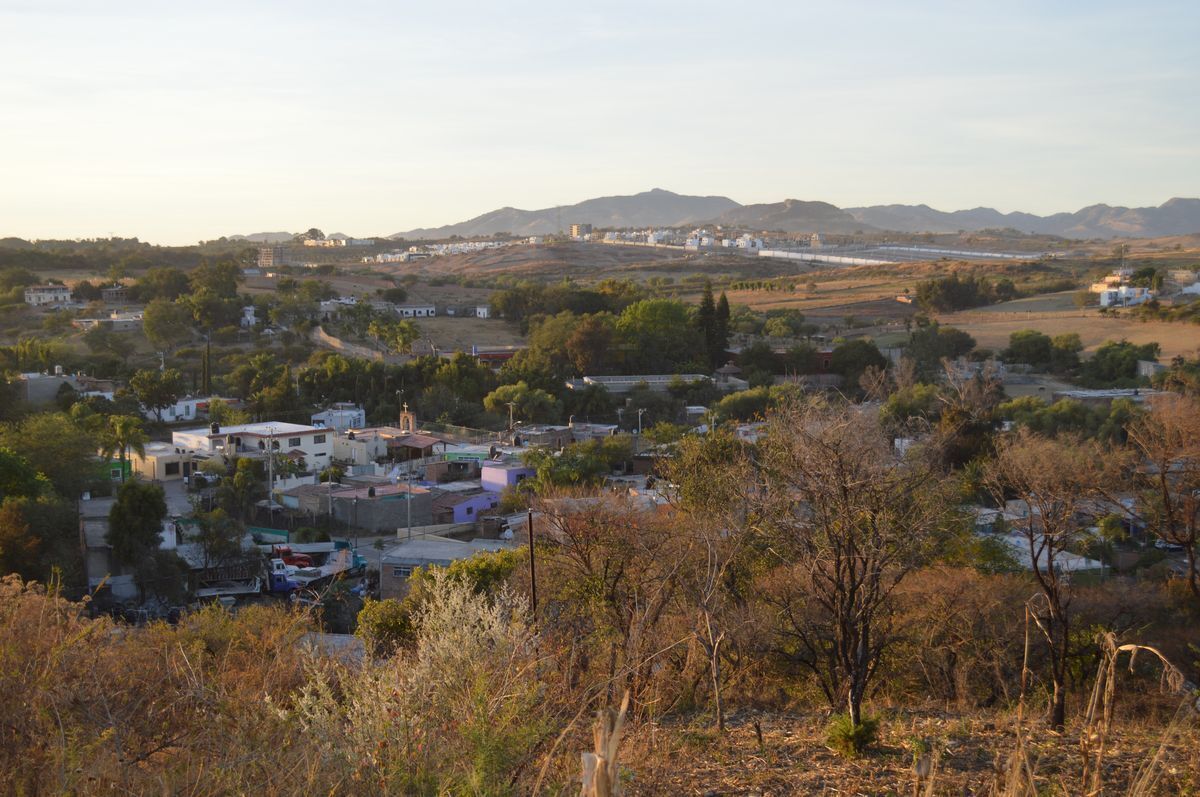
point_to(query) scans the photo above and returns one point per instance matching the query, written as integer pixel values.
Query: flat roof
(440, 549)
(266, 429)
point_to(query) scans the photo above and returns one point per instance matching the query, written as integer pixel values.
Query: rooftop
(440, 549)
(266, 429)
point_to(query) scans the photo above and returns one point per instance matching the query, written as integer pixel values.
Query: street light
(643, 409)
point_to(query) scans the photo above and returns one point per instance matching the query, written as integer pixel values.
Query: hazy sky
(181, 121)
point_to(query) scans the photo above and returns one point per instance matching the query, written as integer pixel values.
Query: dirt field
(992, 326)
(460, 334)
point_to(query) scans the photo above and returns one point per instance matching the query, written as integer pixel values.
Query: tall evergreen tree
(721, 334)
(706, 321)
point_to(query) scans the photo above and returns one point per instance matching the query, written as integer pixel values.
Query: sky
(179, 122)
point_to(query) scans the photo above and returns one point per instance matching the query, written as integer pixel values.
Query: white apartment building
(313, 443)
(41, 295)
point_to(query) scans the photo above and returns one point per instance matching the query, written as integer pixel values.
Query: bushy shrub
(851, 740)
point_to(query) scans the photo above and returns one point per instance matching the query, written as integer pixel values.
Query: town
(491, 400)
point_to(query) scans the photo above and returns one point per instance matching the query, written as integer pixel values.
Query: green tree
(135, 522)
(219, 536)
(590, 345)
(529, 404)
(706, 323)
(18, 479)
(397, 334)
(119, 435)
(1115, 364)
(167, 323)
(854, 357)
(662, 336)
(157, 390)
(19, 544)
(162, 283)
(722, 325)
(56, 446)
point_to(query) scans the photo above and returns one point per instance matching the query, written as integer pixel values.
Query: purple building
(497, 476)
(463, 507)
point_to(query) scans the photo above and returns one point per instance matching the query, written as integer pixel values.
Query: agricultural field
(1056, 314)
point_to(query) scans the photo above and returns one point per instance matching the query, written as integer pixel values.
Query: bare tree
(1055, 486)
(1167, 440)
(713, 481)
(849, 519)
(609, 582)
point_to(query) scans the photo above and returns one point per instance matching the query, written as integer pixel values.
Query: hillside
(793, 215)
(661, 208)
(1174, 217)
(656, 207)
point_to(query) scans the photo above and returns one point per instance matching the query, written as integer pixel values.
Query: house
(249, 318)
(1104, 397)
(494, 356)
(416, 310)
(499, 476)
(483, 311)
(398, 563)
(592, 431)
(311, 442)
(618, 385)
(381, 507)
(188, 408)
(463, 507)
(363, 446)
(162, 462)
(43, 295)
(414, 446)
(548, 435)
(341, 416)
(43, 388)
(114, 294)
(1124, 296)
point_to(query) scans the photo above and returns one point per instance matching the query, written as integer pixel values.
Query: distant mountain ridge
(649, 208)
(660, 208)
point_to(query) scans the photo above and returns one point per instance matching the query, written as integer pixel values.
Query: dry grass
(991, 328)
(971, 751)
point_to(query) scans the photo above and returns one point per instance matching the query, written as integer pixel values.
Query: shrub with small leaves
(851, 740)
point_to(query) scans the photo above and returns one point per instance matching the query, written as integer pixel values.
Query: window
(172, 469)
(293, 442)
(470, 510)
(401, 572)
(317, 439)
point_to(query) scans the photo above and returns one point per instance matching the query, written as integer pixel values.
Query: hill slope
(1174, 217)
(656, 207)
(793, 215)
(661, 208)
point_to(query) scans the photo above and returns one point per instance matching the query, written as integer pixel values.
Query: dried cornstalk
(601, 771)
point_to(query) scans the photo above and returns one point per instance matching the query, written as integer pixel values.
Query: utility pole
(532, 569)
(408, 503)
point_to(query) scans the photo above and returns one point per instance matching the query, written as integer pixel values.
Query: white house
(483, 311)
(313, 443)
(1124, 296)
(416, 310)
(340, 416)
(41, 295)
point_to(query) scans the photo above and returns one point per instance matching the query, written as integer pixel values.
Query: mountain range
(659, 208)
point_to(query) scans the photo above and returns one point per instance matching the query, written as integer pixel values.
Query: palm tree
(124, 432)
